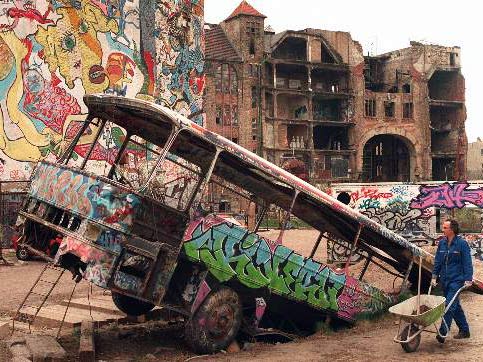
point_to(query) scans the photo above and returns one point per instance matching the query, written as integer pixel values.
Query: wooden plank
(87, 349)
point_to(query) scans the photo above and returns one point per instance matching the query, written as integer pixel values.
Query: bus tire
(131, 306)
(22, 253)
(216, 322)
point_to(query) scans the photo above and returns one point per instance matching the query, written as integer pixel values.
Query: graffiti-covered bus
(416, 211)
(127, 200)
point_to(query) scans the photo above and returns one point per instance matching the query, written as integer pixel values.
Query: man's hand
(434, 282)
(468, 283)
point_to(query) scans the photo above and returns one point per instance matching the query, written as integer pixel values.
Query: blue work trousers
(455, 311)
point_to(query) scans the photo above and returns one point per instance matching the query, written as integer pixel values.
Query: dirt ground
(161, 341)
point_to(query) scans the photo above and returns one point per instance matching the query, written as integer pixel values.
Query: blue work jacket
(453, 263)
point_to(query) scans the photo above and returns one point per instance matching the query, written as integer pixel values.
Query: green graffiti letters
(230, 252)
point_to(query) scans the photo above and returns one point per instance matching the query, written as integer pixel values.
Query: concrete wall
(52, 53)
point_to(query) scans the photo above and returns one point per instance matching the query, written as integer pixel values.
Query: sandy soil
(160, 341)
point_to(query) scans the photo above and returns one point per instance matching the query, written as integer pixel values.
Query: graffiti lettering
(448, 196)
(232, 252)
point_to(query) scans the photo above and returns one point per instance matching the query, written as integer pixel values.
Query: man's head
(450, 228)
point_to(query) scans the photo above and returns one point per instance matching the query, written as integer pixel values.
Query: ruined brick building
(311, 102)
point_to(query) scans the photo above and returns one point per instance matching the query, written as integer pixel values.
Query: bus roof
(262, 178)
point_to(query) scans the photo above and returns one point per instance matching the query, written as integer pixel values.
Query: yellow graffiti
(72, 45)
(19, 139)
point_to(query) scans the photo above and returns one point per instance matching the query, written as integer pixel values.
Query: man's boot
(439, 338)
(462, 335)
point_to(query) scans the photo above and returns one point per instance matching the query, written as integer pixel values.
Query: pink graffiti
(448, 196)
(203, 291)
(46, 101)
(370, 193)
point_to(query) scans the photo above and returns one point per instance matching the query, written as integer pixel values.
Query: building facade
(474, 167)
(311, 102)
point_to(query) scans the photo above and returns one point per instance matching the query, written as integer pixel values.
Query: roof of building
(245, 9)
(218, 46)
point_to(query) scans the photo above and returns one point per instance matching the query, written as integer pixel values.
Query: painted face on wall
(72, 46)
(120, 70)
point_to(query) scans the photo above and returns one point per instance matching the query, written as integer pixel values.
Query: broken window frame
(408, 110)
(389, 109)
(370, 108)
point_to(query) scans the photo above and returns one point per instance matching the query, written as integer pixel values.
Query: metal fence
(12, 194)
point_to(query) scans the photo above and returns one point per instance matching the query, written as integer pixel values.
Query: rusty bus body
(144, 236)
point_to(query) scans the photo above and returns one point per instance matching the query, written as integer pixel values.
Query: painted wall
(53, 52)
(413, 210)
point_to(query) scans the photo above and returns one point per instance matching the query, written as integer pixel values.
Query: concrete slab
(45, 348)
(5, 328)
(98, 303)
(18, 348)
(51, 316)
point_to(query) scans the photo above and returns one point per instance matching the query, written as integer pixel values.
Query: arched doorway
(386, 158)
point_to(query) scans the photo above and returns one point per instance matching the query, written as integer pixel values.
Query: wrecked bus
(127, 200)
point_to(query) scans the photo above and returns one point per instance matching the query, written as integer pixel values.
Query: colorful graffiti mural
(231, 252)
(85, 196)
(55, 52)
(415, 210)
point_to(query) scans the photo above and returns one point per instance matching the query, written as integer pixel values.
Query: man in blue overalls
(453, 269)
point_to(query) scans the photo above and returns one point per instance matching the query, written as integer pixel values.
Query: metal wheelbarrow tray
(406, 309)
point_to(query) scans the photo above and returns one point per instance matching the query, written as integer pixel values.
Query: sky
(382, 26)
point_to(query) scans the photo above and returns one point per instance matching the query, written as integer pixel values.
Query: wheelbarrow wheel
(412, 345)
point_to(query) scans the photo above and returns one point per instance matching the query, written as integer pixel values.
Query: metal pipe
(356, 239)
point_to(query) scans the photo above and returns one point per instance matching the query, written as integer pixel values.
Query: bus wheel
(216, 322)
(130, 305)
(22, 253)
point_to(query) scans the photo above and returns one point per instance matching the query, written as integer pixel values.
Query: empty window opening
(452, 59)
(252, 46)
(443, 169)
(330, 138)
(253, 28)
(327, 110)
(339, 167)
(442, 118)
(408, 110)
(389, 108)
(226, 79)
(254, 129)
(406, 88)
(254, 97)
(218, 116)
(370, 107)
(374, 74)
(326, 55)
(446, 86)
(292, 76)
(291, 48)
(297, 136)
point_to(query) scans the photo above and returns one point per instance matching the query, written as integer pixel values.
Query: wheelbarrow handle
(454, 297)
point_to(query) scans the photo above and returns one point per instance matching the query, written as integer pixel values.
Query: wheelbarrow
(413, 320)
